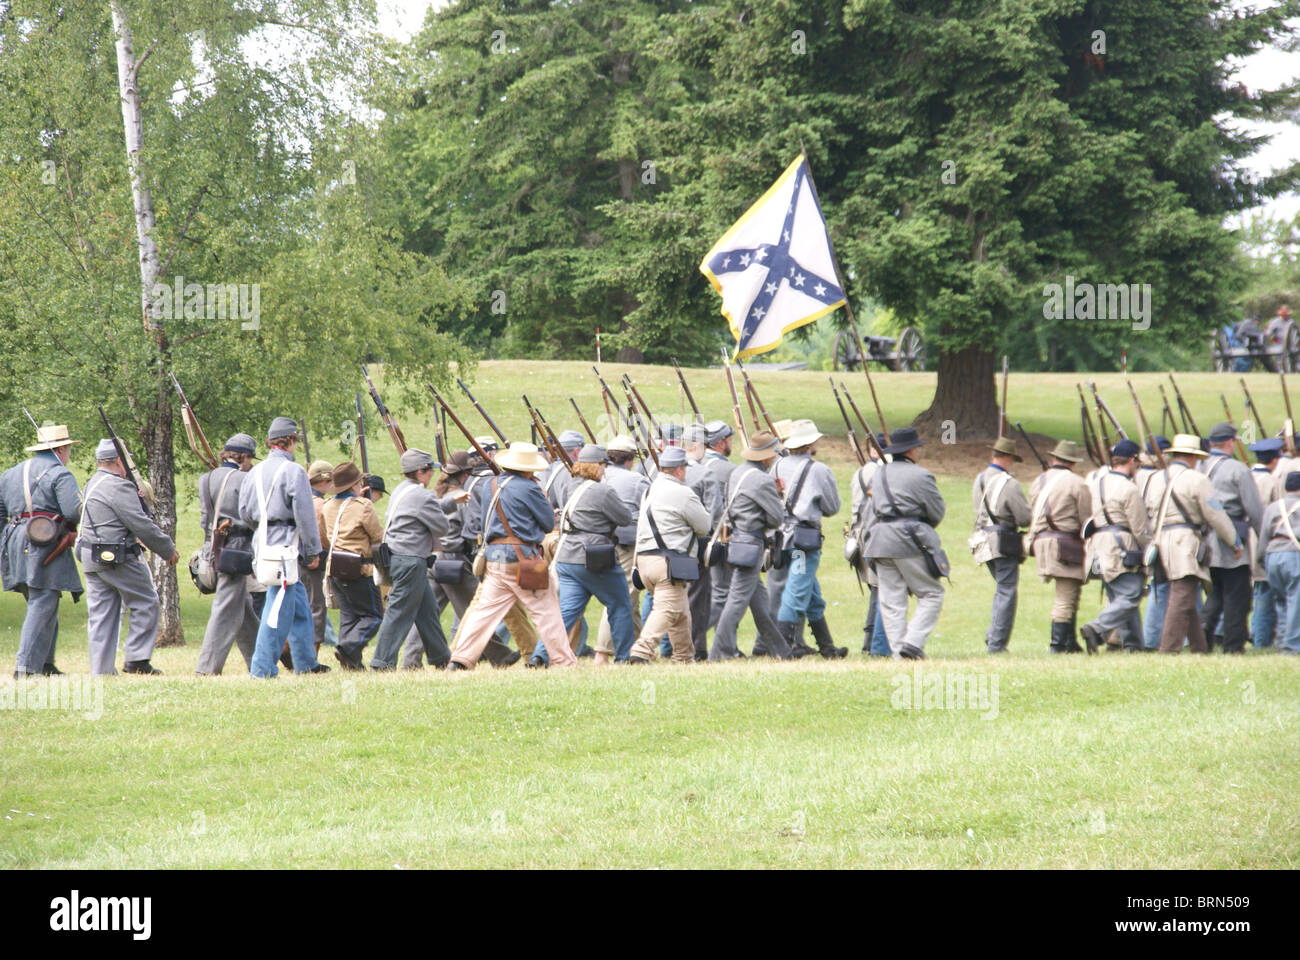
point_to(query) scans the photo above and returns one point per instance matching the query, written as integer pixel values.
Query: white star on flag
(775, 267)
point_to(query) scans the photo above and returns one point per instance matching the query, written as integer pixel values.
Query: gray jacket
(209, 485)
(478, 485)
(1238, 494)
(678, 513)
(589, 517)
(708, 486)
(415, 520)
(719, 466)
(53, 492)
(113, 514)
(756, 505)
(289, 503)
(818, 496)
(1273, 537)
(629, 485)
(558, 483)
(916, 510)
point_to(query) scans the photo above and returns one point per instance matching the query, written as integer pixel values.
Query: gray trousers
(411, 602)
(40, 629)
(719, 591)
(898, 577)
(1124, 593)
(458, 595)
(776, 579)
(699, 597)
(1006, 577)
(110, 591)
(232, 621)
(747, 593)
(314, 581)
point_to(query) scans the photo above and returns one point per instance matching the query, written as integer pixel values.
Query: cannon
(905, 353)
(1236, 348)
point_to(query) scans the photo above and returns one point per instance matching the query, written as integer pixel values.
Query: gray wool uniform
(999, 501)
(755, 510)
(631, 487)
(912, 506)
(708, 487)
(290, 504)
(451, 545)
(591, 521)
(54, 491)
(233, 620)
(720, 580)
(1238, 494)
(414, 522)
(112, 514)
(810, 494)
(558, 484)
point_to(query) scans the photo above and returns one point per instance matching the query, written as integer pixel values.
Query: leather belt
(1181, 526)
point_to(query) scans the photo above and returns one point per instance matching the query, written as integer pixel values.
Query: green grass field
(1110, 761)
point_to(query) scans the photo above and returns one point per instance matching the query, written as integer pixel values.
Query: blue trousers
(879, 642)
(1284, 578)
(1263, 623)
(803, 594)
(577, 586)
(295, 624)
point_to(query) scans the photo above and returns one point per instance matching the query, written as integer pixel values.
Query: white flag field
(775, 267)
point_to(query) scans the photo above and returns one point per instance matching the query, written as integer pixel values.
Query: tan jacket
(1179, 546)
(359, 529)
(1122, 507)
(1069, 503)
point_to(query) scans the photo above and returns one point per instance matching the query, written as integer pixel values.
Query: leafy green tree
(238, 175)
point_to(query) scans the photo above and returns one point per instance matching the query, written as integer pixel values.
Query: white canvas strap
(221, 492)
(398, 496)
(567, 516)
(1040, 506)
(988, 503)
(1286, 522)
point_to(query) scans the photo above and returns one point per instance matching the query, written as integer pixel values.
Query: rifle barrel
(483, 413)
(686, 388)
(1032, 449)
(586, 426)
(462, 428)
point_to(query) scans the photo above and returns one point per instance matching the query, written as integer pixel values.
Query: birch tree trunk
(152, 404)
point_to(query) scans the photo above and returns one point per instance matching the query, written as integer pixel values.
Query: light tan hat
(1007, 447)
(320, 471)
(523, 457)
(1188, 445)
(621, 444)
(762, 446)
(802, 433)
(1067, 450)
(51, 438)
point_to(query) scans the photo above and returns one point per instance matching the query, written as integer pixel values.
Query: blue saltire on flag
(775, 268)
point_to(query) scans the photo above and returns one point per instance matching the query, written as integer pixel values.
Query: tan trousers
(521, 630)
(1065, 605)
(604, 638)
(498, 593)
(671, 613)
(1181, 619)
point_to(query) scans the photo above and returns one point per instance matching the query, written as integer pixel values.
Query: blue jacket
(530, 514)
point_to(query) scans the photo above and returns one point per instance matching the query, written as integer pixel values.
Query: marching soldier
(1061, 503)
(516, 519)
(671, 519)
(1263, 624)
(902, 511)
(717, 442)
(1280, 544)
(233, 619)
(40, 487)
(631, 487)
(1186, 507)
(1119, 534)
(279, 486)
(707, 486)
(1238, 496)
(1150, 482)
(753, 509)
(811, 494)
(557, 483)
(349, 531)
(320, 474)
(1000, 511)
(112, 521)
(874, 641)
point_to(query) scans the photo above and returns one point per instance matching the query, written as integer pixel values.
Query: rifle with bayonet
(35, 425)
(1002, 410)
(552, 442)
(462, 428)
(1183, 410)
(1032, 449)
(1090, 442)
(862, 351)
(1250, 405)
(853, 436)
(755, 399)
(1148, 438)
(132, 474)
(1227, 412)
(482, 413)
(306, 446)
(749, 397)
(866, 430)
(390, 421)
(1104, 407)
(361, 438)
(735, 398)
(1101, 424)
(193, 432)
(1166, 415)
(583, 420)
(690, 398)
(630, 391)
(607, 395)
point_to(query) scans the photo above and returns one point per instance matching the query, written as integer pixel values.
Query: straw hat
(523, 457)
(1187, 445)
(51, 438)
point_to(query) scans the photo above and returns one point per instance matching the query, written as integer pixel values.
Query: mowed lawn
(1142, 761)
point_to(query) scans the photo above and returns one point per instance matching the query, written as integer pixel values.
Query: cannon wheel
(909, 353)
(1290, 358)
(846, 356)
(1219, 352)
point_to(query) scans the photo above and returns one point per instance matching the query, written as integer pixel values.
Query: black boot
(797, 646)
(141, 666)
(1072, 637)
(821, 632)
(789, 633)
(1059, 644)
(50, 670)
(499, 655)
